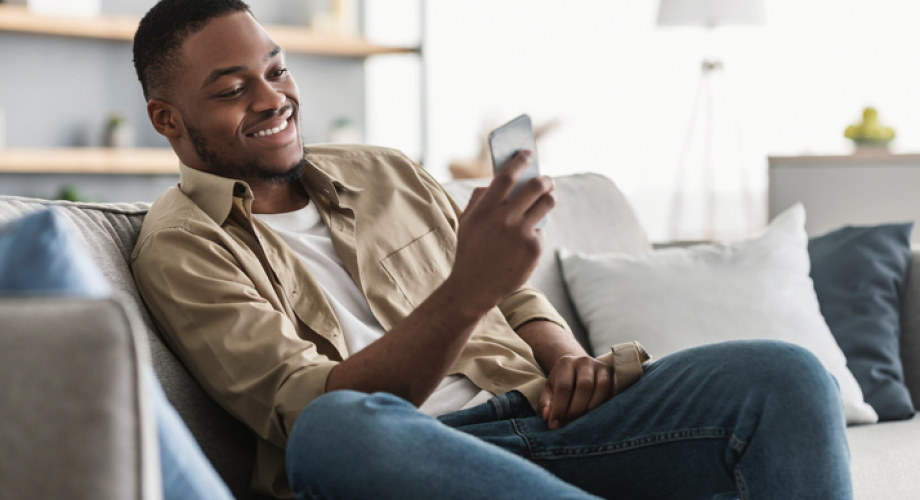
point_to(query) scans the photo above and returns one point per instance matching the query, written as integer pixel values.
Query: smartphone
(505, 141)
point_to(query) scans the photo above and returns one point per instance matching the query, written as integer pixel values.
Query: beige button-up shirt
(244, 314)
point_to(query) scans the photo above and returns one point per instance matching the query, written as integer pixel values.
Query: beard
(241, 170)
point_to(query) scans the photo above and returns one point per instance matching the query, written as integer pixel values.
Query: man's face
(239, 105)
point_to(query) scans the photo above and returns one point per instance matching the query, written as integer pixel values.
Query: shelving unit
(126, 168)
(100, 174)
(16, 18)
(140, 161)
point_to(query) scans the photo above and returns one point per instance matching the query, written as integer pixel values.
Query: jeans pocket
(511, 405)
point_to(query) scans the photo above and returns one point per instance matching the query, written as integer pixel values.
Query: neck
(278, 198)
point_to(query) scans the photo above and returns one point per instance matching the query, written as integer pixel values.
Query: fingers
(576, 386)
(583, 392)
(603, 388)
(545, 402)
(562, 396)
(474, 199)
(507, 177)
(536, 195)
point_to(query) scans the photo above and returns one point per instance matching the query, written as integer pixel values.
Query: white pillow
(672, 299)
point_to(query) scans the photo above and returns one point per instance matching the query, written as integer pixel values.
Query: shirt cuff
(529, 304)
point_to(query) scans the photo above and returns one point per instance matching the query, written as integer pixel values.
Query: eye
(281, 72)
(233, 93)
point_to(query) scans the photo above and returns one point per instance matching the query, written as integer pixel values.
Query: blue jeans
(752, 420)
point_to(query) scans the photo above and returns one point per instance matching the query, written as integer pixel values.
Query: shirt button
(341, 226)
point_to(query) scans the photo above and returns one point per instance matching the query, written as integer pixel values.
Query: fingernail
(526, 154)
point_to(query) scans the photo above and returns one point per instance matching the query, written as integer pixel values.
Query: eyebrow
(219, 73)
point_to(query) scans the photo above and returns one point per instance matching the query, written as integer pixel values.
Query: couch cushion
(592, 216)
(108, 230)
(884, 460)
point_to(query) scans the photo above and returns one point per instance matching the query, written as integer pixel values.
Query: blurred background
(612, 86)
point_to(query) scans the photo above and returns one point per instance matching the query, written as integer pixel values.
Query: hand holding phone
(505, 141)
(498, 246)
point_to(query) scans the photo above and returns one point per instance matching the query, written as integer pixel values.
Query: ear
(165, 118)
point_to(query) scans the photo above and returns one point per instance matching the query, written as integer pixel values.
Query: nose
(267, 97)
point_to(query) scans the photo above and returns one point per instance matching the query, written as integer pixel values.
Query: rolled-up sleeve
(241, 348)
(529, 304)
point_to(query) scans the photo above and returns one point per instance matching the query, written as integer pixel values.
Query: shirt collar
(214, 194)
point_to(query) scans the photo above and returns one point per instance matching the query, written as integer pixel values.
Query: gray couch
(72, 420)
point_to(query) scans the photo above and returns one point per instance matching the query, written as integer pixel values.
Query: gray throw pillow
(859, 274)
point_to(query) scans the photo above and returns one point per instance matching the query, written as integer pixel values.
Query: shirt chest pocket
(421, 266)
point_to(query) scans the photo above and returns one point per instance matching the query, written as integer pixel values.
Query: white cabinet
(856, 189)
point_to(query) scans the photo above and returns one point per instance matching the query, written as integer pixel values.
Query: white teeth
(267, 132)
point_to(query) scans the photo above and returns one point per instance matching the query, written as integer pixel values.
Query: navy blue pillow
(859, 275)
(40, 255)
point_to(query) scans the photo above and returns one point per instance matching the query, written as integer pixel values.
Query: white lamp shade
(710, 12)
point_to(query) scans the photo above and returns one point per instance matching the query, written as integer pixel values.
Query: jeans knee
(787, 372)
(792, 365)
(348, 412)
(333, 429)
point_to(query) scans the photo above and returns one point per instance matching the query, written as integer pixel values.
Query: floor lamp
(708, 14)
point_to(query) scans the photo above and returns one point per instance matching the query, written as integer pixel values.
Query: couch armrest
(73, 420)
(910, 328)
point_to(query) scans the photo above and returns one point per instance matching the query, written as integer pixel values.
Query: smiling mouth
(270, 131)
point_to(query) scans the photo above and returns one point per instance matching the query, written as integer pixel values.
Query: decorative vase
(118, 133)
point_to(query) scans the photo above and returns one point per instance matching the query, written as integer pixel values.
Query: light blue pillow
(40, 255)
(859, 274)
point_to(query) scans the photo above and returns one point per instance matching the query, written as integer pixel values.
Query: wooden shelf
(158, 161)
(16, 18)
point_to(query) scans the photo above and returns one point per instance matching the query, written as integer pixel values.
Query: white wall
(623, 88)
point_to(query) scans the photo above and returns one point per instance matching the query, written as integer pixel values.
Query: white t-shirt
(304, 231)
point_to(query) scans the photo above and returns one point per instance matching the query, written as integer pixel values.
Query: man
(381, 345)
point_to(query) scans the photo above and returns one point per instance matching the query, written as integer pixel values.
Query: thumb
(545, 402)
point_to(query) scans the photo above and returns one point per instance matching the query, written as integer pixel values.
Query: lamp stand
(704, 107)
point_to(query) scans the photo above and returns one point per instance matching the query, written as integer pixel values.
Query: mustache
(271, 113)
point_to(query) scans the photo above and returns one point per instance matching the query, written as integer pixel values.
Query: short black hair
(162, 32)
